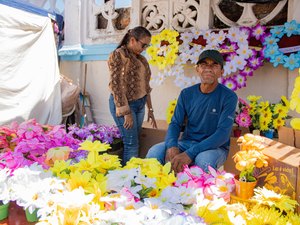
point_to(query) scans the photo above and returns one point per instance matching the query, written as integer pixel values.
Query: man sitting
(209, 108)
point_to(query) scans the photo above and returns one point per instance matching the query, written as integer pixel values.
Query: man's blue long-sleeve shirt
(209, 119)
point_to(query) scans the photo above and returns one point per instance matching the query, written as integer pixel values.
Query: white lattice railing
(180, 15)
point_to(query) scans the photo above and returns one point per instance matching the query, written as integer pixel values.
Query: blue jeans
(130, 137)
(214, 157)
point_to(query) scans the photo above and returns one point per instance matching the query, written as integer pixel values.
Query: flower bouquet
(94, 132)
(267, 116)
(247, 159)
(242, 116)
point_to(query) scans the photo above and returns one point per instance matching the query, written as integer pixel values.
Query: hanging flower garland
(240, 59)
(275, 54)
(243, 67)
(164, 48)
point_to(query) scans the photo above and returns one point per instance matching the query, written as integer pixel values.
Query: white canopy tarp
(29, 73)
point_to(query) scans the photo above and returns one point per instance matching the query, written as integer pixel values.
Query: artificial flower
(295, 123)
(163, 51)
(249, 157)
(170, 110)
(269, 198)
(295, 99)
(57, 153)
(266, 116)
(274, 53)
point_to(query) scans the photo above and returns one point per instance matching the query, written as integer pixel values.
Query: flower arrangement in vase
(247, 159)
(242, 116)
(267, 117)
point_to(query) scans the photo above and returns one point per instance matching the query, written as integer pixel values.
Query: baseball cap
(212, 54)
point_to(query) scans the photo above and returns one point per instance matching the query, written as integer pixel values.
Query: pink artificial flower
(244, 103)
(243, 119)
(29, 129)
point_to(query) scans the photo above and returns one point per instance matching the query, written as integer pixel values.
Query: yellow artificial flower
(262, 215)
(279, 122)
(281, 110)
(164, 49)
(285, 102)
(295, 96)
(155, 40)
(165, 177)
(264, 123)
(83, 165)
(60, 168)
(264, 105)
(253, 98)
(293, 218)
(295, 123)
(95, 146)
(98, 189)
(78, 179)
(152, 51)
(250, 156)
(170, 110)
(109, 162)
(269, 198)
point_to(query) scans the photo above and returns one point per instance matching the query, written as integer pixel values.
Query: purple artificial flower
(247, 72)
(255, 62)
(258, 31)
(93, 132)
(230, 83)
(77, 155)
(240, 80)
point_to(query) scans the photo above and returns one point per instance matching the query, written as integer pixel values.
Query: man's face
(209, 71)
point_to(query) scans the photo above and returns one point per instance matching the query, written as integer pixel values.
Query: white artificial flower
(239, 62)
(196, 32)
(170, 194)
(233, 34)
(180, 81)
(186, 37)
(244, 51)
(157, 79)
(187, 195)
(74, 198)
(145, 181)
(117, 179)
(4, 188)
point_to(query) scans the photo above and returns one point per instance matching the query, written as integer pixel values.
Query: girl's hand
(128, 121)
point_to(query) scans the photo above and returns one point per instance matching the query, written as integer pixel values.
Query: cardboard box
(297, 138)
(229, 165)
(150, 136)
(283, 172)
(286, 135)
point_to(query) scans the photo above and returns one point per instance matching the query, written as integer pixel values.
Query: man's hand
(179, 161)
(171, 152)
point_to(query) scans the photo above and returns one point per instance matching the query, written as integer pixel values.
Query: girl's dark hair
(137, 32)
